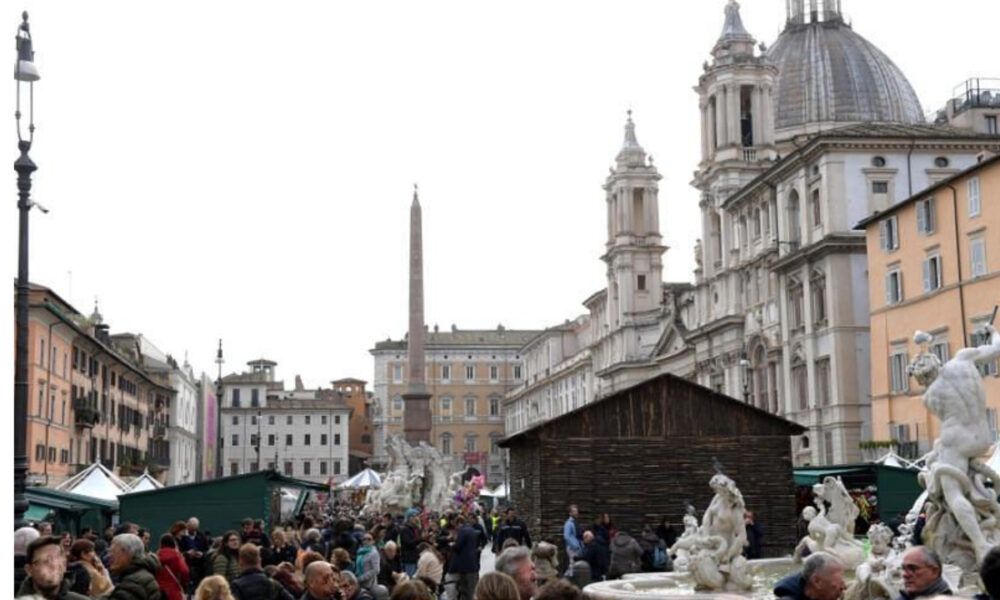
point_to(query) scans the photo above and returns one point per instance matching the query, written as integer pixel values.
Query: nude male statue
(956, 396)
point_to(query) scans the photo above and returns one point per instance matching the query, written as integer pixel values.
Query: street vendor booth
(219, 504)
(68, 511)
(881, 491)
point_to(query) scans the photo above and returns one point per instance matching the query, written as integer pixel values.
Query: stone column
(705, 148)
(756, 113)
(720, 117)
(733, 113)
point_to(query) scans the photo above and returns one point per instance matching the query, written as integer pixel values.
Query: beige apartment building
(468, 374)
(933, 266)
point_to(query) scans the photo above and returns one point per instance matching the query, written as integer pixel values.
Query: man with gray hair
(922, 575)
(22, 537)
(516, 562)
(134, 569)
(822, 578)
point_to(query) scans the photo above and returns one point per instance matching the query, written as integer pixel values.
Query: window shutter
(974, 196)
(883, 234)
(927, 274)
(922, 216)
(978, 257)
(888, 288)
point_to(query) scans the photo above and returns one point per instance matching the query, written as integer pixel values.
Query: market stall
(882, 492)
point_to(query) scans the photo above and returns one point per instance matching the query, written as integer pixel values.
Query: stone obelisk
(416, 400)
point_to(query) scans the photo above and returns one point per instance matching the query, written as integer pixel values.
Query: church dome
(827, 72)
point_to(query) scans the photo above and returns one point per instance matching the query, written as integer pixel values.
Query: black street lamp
(24, 72)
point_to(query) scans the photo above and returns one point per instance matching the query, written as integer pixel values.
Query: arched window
(796, 313)
(800, 384)
(793, 217)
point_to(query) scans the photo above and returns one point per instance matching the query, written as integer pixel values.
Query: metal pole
(24, 168)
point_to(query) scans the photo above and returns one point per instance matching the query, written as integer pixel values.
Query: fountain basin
(680, 585)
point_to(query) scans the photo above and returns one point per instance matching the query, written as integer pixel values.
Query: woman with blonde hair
(496, 586)
(213, 587)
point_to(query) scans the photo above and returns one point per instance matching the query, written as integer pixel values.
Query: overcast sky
(243, 170)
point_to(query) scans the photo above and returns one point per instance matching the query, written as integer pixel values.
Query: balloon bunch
(465, 496)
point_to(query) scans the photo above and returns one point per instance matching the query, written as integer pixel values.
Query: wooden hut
(648, 451)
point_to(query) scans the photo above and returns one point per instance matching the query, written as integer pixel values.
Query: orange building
(360, 429)
(934, 266)
(87, 400)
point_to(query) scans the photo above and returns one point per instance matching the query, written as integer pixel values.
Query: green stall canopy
(219, 504)
(897, 487)
(68, 511)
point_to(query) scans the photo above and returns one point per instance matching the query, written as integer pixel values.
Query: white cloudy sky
(242, 169)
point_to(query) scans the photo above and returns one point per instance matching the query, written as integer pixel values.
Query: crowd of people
(328, 554)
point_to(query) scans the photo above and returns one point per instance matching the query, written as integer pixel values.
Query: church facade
(800, 142)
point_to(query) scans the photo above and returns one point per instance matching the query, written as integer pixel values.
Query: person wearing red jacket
(173, 573)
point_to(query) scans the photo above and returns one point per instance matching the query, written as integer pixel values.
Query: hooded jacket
(138, 580)
(626, 555)
(545, 557)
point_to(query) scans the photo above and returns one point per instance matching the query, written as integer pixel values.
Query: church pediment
(671, 342)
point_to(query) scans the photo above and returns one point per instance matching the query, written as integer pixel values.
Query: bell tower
(735, 97)
(634, 250)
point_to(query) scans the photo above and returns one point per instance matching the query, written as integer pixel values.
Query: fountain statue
(963, 515)
(831, 530)
(416, 477)
(879, 575)
(713, 553)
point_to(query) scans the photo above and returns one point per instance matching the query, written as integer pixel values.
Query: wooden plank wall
(638, 481)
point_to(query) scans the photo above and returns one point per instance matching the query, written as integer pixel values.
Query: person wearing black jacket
(409, 539)
(391, 529)
(280, 551)
(512, 528)
(390, 567)
(596, 555)
(465, 559)
(253, 584)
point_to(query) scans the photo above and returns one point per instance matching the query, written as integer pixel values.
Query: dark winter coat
(19, 573)
(598, 557)
(515, 530)
(27, 588)
(137, 581)
(409, 538)
(465, 552)
(386, 568)
(755, 536)
(792, 587)
(253, 584)
(78, 577)
(276, 556)
(626, 556)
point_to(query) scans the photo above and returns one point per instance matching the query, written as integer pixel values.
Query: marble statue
(831, 530)
(878, 577)
(682, 547)
(714, 552)
(963, 515)
(415, 477)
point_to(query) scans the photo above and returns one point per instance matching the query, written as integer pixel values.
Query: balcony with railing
(977, 92)
(85, 413)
